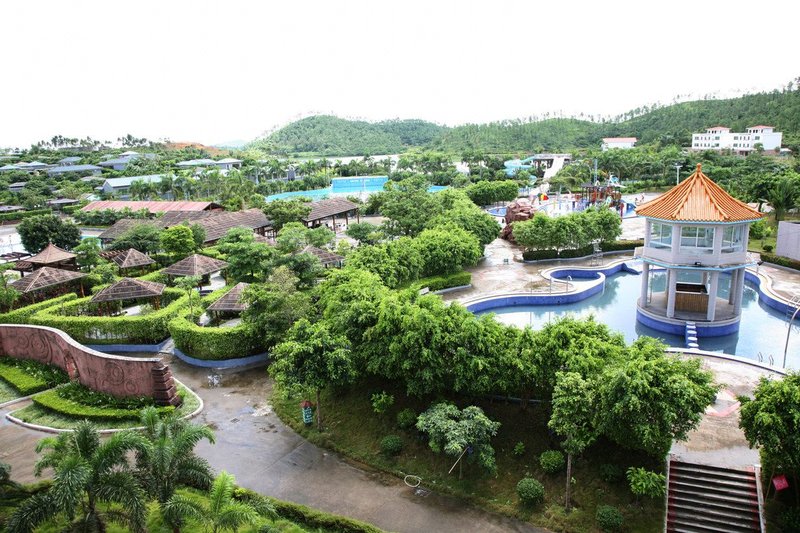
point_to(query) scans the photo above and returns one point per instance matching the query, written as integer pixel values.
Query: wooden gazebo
(326, 257)
(131, 258)
(130, 289)
(231, 301)
(45, 278)
(195, 265)
(51, 256)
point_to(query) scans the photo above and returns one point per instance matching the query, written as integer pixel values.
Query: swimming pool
(361, 186)
(762, 330)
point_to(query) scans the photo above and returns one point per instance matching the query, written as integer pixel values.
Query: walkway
(268, 457)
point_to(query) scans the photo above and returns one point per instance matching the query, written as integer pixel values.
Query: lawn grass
(352, 428)
(36, 414)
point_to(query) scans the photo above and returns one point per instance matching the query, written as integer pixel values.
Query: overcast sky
(212, 72)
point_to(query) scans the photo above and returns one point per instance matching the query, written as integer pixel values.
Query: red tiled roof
(698, 199)
(151, 206)
(718, 128)
(760, 126)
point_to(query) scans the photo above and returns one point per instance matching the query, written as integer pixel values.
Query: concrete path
(268, 457)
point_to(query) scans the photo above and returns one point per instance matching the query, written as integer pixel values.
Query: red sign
(780, 483)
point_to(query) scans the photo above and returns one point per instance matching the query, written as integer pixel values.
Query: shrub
(789, 519)
(84, 395)
(609, 518)
(407, 418)
(767, 247)
(381, 402)
(29, 377)
(24, 214)
(780, 260)
(22, 314)
(611, 473)
(438, 283)
(646, 483)
(530, 491)
(613, 246)
(519, 449)
(552, 461)
(391, 445)
(52, 400)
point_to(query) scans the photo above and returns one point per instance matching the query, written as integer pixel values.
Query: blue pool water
(344, 187)
(762, 330)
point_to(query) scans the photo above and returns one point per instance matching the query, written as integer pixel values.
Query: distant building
(788, 244)
(121, 162)
(17, 187)
(623, 143)
(223, 164)
(721, 138)
(70, 161)
(84, 169)
(120, 187)
(152, 206)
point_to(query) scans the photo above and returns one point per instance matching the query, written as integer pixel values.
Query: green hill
(673, 124)
(329, 135)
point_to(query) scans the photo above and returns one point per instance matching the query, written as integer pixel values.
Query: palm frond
(85, 438)
(114, 451)
(122, 488)
(69, 483)
(179, 508)
(32, 512)
(195, 472)
(221, 492)
(234, 515)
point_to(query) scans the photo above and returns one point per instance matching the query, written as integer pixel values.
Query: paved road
(267, 456)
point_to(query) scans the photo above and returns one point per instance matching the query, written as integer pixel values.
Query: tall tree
(39, 231)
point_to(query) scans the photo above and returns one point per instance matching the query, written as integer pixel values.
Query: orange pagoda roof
(698, 199)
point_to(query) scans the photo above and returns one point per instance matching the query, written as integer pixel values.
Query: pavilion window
(732, 239)
(660, 235)
(697, 239)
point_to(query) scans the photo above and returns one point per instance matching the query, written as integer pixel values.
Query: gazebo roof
(129, 289)
(43, 278)
(230, 301)
(51, 254)
(698, 199)
(326, 257)
(132, 258)
(195, 265)
(328, 208)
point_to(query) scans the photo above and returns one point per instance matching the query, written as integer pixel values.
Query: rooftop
(51, 254)
(619, 139)
(330, 207)
(231, 300)
(698, 199)
(129, 289)
(131, 258)
(152, 206)
(43, 278)
(63, 169)
(128, 180)
(195, 265)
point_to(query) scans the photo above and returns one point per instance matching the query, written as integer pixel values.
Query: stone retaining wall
(112, 374)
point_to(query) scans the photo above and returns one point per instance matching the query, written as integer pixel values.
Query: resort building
(623, 143)
(120, 187)
(697, 233)
(721, 138)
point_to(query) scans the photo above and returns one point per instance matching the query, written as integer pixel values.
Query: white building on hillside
(721, 138)
(618, 142)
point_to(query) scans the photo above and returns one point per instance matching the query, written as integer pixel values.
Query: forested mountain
(329, 135)
(669, 125)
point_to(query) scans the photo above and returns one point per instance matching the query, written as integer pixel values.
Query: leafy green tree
(571, 419)
(447, 250)
(223, 512)
(456, 432)
(536, 233)
(143, 237)
(88, 253)
(408, 207)
(312, 357)
(178, 241)
(39, 231)
(647, 399)
(281, 212)
(364, 232)
(8, 294)
(292, 237)
(198, 235)
(169, 461)
(189, 284)
(784, 195)
(274, 306)
(602, 224)
(771, 421)
(86, 472)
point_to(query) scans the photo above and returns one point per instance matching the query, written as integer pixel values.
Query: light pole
(678, 167)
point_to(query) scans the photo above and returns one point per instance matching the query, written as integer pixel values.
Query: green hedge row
(309, 518)
(776, 259)
(213, 343)
(21, 380)
(151, 328)
(5, 217)
(23, 314)
(437, 283)
(51, 400)
(538, 255)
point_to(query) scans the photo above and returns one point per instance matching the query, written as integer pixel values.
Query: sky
(213, 72)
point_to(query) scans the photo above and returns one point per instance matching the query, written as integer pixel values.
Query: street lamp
(678, 167)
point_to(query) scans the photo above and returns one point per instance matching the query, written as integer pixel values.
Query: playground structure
(550, 163)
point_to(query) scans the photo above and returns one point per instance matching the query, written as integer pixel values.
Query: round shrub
(530, 491)
(407, 418)
(767, 247)
(391, 445)
(552, 461)
(609, 518)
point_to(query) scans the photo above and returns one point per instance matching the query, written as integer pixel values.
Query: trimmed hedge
(28, 376)
(5, 217)
(310, 518)
(539, 255)
(52, 400)
(151, 328)
(23, 314)
(437, 283)
(21, 380)
(213, 343)
(776, 259)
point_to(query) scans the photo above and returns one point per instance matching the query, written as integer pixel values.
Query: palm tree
(223, 511)
(86, 472)
(784, 196)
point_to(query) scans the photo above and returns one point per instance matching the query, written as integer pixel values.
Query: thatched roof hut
(44, 278)
(129, 289)
(230, 302)
(131, 258)
(195, 265)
